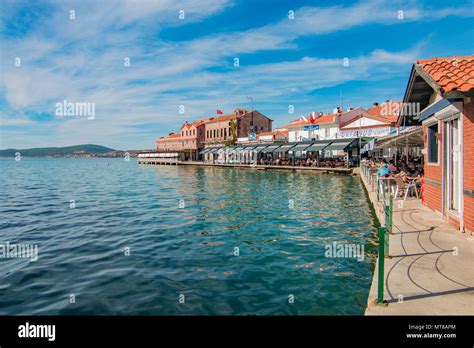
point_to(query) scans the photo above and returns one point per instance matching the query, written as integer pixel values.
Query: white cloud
(82, 60)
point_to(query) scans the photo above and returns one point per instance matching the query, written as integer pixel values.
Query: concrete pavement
(431, 266)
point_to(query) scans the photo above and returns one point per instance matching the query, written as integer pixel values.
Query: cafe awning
(339, 145)
(250, 147)
(301, 147)
(318, 146)
(270, 148)
(284, 148)
(215, 149)
(412, 137)
(260, 148)
(204, 151)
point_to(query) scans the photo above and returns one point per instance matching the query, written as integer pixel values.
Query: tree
(232, 132)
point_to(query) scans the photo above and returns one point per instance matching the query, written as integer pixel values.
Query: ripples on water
(174, 251)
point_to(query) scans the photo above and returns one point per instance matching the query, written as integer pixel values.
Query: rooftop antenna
(251, 102)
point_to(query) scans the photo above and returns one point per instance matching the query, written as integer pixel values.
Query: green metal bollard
(381, 278)
(390, 227)
(388, 210)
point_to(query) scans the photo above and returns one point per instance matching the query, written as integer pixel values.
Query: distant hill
(67, 151)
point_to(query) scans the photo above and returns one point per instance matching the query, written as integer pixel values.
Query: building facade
(278, 135)
(188, 142)
(242, 123)
(444, 90)
(367, 125)
(325, 127)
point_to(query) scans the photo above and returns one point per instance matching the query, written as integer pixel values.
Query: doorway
(452, 169)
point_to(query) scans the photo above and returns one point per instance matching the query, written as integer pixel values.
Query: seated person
(392, 167)
(384, 171)
(403, 175)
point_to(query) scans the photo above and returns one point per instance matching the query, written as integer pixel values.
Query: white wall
(364, 122)
(320, 134)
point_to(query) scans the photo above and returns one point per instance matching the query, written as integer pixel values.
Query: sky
(144, 67)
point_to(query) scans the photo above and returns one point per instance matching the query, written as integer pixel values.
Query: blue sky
(190, 61)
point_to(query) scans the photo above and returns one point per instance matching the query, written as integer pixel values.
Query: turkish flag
(219, 112)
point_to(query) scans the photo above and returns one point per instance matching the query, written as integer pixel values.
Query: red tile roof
(275, 132)
(381, 109)
(331, 118)
(295, 123)
(222, 118)
(282, 131)
(201, 121)
(170, 136)
(388, 120)
(451, 74)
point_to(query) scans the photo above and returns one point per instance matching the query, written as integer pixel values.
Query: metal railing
(385, 197)
(157, 160)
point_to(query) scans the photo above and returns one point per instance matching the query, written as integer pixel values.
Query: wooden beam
(429, 80)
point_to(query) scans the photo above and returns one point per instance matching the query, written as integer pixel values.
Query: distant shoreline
(75, 151)
(76, 156)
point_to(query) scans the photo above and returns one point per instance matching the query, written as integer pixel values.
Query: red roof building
(443, 90)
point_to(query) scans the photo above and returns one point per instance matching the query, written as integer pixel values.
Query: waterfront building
(187, 143)
(171, 142)
(193, 136)
(325, 127)
(443, 89)
(227, 129)
(278, 135)
(378, 121)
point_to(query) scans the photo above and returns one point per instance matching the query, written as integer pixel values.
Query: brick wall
(217, 131)
(254, 122)
(433, 193)
(170, 144)
(468, 138)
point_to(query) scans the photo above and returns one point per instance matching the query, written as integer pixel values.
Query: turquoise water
(175, 251)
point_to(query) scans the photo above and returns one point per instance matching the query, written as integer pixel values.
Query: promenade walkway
(431, 266)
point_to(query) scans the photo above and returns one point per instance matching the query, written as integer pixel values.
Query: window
(432, 146)
(327, 132)
(225, 132)
(214, 133)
